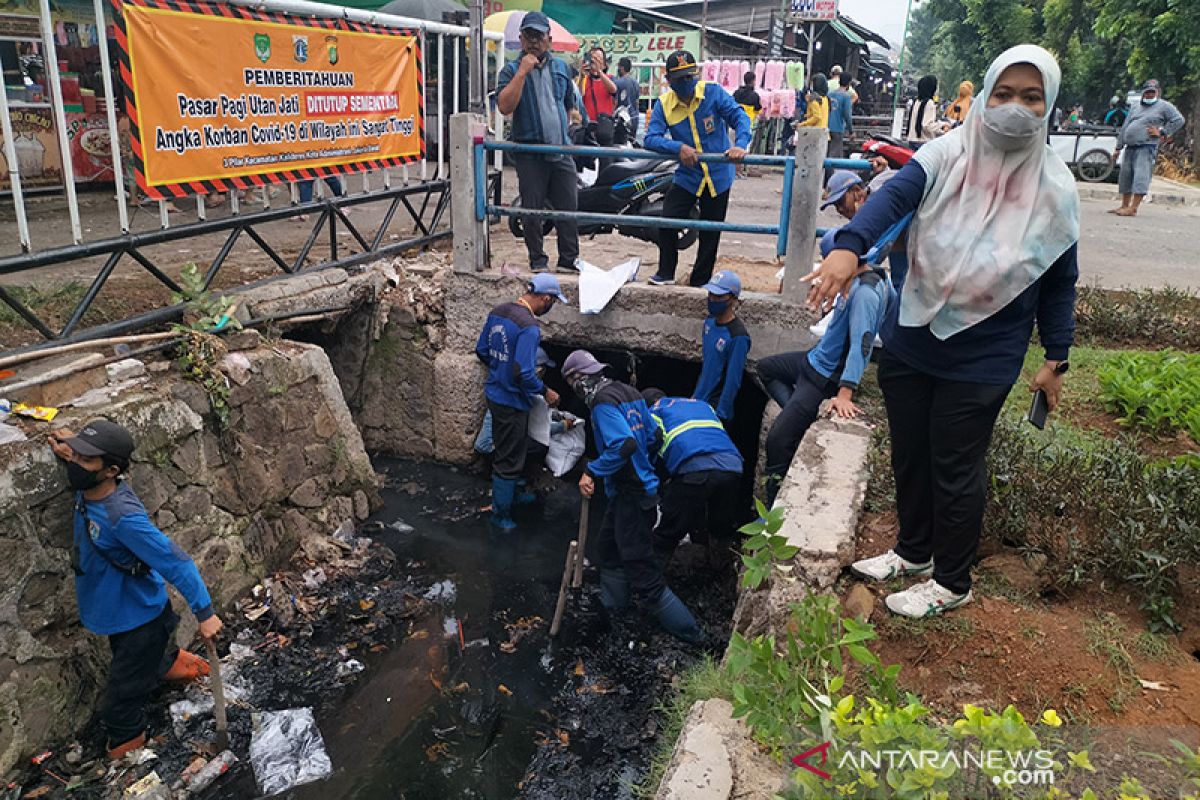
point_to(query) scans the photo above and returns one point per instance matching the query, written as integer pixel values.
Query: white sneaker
(888, 566)
(928, 599)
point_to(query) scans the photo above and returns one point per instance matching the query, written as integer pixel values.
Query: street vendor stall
(1090, 149)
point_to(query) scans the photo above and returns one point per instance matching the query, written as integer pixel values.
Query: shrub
(1159, 391)
(1162, 317)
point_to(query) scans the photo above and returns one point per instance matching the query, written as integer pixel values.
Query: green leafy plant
(764, 548)
(1166, 317)
(205, 311)
(1158, 391)
(199, 354)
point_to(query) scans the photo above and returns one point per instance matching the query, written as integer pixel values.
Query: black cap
(681, 64)
(103, 438)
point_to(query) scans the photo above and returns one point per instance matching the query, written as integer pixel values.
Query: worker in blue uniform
(726, 345)
(691, 118)
(508, 346)
(703, 468)
(801, 381)
(120, 559)
(625, 434)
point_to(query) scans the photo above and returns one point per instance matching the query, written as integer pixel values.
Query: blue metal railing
(779, 230)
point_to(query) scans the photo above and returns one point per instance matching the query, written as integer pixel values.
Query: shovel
(218, 691)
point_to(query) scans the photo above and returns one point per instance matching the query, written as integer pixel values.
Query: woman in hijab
(924, 112)
(962, 104)
(992, 250)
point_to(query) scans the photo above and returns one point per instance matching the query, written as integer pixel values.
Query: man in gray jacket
(1148, 123)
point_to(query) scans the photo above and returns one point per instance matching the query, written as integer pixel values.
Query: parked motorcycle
(634, 187)
(896, 152)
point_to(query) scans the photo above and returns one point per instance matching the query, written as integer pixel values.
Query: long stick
(218, 690)
(561, 606)
(579, 556)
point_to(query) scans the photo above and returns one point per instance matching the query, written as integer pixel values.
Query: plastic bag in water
(286, 750)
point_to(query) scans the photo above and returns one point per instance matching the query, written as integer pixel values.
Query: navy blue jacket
(725, 351)
(692, 438)
(508, 346)
(111, 536)
(625, 433)
(991, 351)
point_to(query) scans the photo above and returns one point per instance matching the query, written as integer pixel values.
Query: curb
(1154, 198)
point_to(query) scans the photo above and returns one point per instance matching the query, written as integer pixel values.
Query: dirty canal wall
(288, 469)
(413, 382)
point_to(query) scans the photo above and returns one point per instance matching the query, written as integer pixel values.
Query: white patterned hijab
(991, 222)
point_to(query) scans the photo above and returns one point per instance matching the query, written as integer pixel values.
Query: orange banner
(220, 98)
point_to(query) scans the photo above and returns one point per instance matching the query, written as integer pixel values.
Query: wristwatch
(1061, 367)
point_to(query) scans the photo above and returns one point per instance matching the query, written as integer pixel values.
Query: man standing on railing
(691, 118)
(537, 91)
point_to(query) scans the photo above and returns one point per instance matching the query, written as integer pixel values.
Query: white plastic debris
(443, 592)
(313, 578)
(598, 286)
(10, 434)
(400, 526)
(286, 750)
(349, 667)
(149, 787)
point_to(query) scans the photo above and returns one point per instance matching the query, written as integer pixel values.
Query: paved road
(1157, 248)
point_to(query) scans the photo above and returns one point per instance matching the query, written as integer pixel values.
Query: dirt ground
(1081, 653)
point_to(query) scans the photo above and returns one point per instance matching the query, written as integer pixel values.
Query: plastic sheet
(598, 286)
(286, 750)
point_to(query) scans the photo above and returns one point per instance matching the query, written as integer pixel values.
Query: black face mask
(82, 479)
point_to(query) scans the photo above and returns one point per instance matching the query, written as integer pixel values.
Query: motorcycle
(896, 152)
(633, 186)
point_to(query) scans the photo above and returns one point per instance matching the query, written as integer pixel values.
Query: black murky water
(462, 693)
(501, 711)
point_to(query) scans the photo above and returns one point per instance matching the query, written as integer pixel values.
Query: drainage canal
(500, 711)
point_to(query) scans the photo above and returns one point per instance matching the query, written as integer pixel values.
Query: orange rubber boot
(188, 668)
(115, 753)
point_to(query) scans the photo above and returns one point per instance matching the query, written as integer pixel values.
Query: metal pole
(441, 91)
(111, 112)
(424, 105)
(812, 46)
(14, 174)
(458, 45)
(896, 123)
(498, 130)
(60, 116)
(477, 62)
(703, 30)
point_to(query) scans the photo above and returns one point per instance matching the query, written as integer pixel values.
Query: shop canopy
(509, 23)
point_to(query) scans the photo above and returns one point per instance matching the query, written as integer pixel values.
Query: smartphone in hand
(1039, 409)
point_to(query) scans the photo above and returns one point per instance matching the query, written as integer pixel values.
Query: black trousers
(697, 501)
(140, 659)
(625, 540)
(784, 373)
(510, 428)
(678, 204)
(548, 184)
(940, 431)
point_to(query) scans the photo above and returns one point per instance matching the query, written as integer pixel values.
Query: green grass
(705, 680)
(55, 303)
(958, 628)
(1106, 638)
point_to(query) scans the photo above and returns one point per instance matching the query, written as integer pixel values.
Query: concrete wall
(416, 388)
(289, 469)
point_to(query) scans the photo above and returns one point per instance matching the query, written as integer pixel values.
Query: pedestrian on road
(628, 94)
(703, 469)
(121, 559)
(1148, 123)
(922, 120)
(816, 108)
(841, 120)
(625, 434)
(599, 93)
(539, 116)
(691, 118)
(306, 191)
(726, 344)
(962, 104)
(992, 250)
(508, 346)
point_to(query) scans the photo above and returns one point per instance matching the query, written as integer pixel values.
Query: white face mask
(1011, 126)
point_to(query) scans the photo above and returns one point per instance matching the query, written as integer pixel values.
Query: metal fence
(418, 193)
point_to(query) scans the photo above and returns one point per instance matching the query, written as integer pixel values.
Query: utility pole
(897, 122)
(704, 30)
(477, 63)
(812, 46)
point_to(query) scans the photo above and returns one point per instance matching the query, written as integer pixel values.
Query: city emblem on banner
(262, 47)
(300, 48)
(331, 46)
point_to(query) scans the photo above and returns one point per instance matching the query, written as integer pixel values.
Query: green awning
(847, 34)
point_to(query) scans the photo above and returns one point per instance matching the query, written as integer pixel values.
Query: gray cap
(581, 362)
